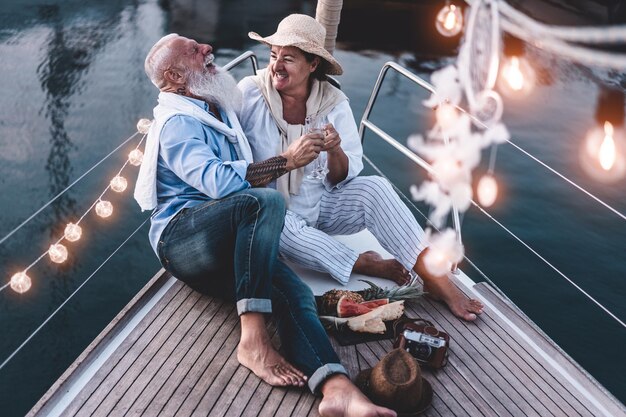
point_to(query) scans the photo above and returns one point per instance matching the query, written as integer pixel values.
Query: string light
(118, 184)
(104, 208)
(446, 115)
(73, 232)
(20, 282)
(57, 253)
(606, 155)
(449, 20)
(600, 155)
(517, 77)
(487, 190)
(143, 125)
(135, 157)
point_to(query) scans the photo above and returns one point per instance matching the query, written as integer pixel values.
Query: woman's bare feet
(343, 399)
(372, 264)
(441, 288)
(255, 352)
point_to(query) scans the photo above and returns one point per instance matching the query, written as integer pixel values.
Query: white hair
(159, 59)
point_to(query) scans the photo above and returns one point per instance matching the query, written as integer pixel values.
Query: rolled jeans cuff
(254, 305)
(322, 373)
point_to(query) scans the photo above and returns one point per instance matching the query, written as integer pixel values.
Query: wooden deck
(171, 352)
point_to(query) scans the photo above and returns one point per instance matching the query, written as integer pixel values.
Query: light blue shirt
(196, 164)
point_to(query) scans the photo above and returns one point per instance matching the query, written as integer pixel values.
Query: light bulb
(448, 172)
(601, 155)
(606, 155)
(517, 77)
(436, 261)
(446, 115)
(143, 125)
(57, 253)
(118, 184)
(487, 190)
(449, 20)
(135, 157)
(104, 208)
(73, 232)
(20, 282)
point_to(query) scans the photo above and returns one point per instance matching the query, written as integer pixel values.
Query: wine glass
(316, 124)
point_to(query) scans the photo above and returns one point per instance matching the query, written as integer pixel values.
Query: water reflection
(70, 50)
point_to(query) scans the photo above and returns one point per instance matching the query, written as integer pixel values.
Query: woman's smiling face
(290, 69)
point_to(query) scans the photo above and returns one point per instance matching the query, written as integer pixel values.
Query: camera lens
(419, 351)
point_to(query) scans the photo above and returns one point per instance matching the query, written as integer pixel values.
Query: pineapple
(331, 298)
(404, 292)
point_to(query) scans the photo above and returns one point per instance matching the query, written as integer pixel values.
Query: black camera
(421, 346)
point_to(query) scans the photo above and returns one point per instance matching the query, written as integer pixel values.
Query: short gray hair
(159, 60)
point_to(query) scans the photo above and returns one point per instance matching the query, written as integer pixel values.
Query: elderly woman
(276, 103)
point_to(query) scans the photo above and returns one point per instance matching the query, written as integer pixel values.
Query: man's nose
(207, 49)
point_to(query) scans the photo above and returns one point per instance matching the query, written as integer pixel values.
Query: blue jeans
(228, 248)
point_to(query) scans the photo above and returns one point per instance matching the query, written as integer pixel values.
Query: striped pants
(364, 202)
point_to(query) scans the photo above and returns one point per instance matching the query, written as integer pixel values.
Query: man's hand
(332, 141)
(303, 150)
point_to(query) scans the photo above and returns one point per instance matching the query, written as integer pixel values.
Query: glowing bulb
(57, 253)
(446, 115)
(516, 77)
(449, 20)
(436, 261)
(20, 282)
(448, 172)
(487, 190)
(135, 157)
(606, 155)
(118, 184)
(73, 232)
(143, 125)
(104, 208)
(601, 155)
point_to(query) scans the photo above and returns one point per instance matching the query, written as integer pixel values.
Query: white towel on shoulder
(170, 105)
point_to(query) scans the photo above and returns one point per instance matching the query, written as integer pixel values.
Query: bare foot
(343, 399)
(372, 264)
(441, 288)
(266, 363)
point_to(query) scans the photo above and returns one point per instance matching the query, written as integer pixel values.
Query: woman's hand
(337, 159)
(304, 150)
(332, 141)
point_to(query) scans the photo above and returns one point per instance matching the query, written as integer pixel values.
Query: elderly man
(219, 234)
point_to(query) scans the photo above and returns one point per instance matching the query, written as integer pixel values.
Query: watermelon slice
(375, 303)
(348, 308)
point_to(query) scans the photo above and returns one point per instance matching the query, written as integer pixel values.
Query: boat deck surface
(177, 357)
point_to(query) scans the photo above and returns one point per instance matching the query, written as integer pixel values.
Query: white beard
(220, 88)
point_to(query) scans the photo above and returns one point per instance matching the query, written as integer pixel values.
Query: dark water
(73, 89)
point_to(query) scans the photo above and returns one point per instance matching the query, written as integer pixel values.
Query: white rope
(607, 311)
(32, 216)
(580, 54)
(589, 34)
(16, 351)
(555, 38)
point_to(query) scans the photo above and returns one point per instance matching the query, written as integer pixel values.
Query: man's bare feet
(343, 399)
(441, 288)
(255, 352)
(372, 264)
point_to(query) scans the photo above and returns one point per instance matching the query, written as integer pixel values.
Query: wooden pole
(328, 13)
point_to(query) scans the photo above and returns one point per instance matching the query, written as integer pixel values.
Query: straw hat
(396, 382)
(305, 33)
